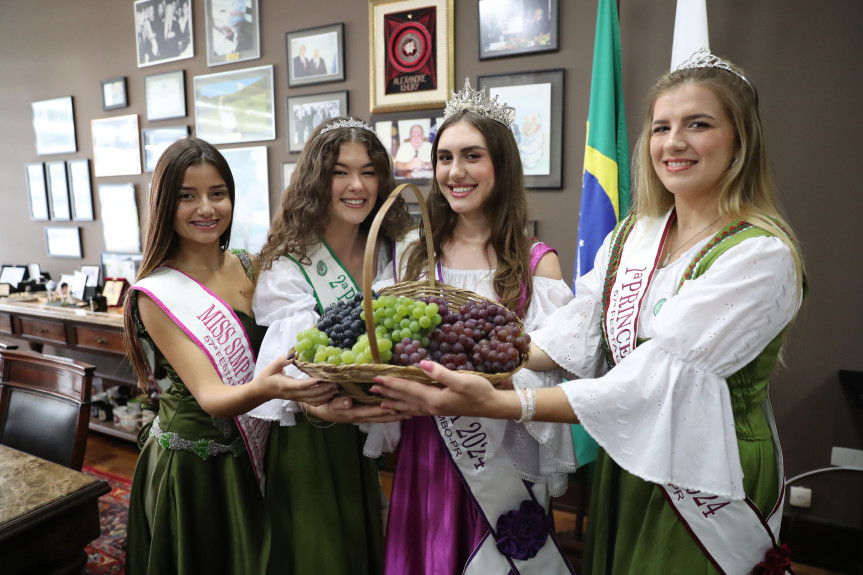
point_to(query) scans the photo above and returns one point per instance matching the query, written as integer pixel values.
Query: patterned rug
(107, 555)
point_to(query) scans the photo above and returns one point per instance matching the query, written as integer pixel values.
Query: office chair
(45, 405)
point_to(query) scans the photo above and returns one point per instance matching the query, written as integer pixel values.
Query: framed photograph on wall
(37, 192)
(63, 242)
(80, 190)
(58, 191)
(119, 217)
(412, 54)
(120, 265)
(155, 140)
(252, 206)
(116, 146)
(508, 27)
(316, 55)
(114, 93)
(165, 95)
(537, 98)
(304, 113)
(234, 107)
(287, 171)
(54, 124)
(233, 31)
(408, 136)
(163, 31)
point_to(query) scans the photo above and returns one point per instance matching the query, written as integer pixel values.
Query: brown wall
(805, 57)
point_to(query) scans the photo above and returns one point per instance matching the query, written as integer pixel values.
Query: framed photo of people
(114, 93)
(408, 136)
(233, 31)
(54, 124)
(37, 192)
(116, 146)
(163, 31)
(537, 98)
(165, 95)
(80, 189)
(63, 242)
(412, 54)
(155, 140)
(306, 112)
(316, 55)
(510, 27)
(58, 191)
(234, 107)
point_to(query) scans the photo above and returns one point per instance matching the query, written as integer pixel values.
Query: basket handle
(369, 258)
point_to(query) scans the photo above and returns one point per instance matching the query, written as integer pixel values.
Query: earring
(734, 161)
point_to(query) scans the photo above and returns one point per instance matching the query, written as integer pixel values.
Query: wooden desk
(48, 514)
(75, 329)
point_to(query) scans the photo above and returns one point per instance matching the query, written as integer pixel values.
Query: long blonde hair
(746, 191)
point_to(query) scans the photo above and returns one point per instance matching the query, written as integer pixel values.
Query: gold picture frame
(411, 63)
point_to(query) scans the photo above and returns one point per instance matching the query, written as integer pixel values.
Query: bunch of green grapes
(395, 319)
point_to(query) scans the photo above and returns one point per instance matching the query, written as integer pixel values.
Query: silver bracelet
(527, 397)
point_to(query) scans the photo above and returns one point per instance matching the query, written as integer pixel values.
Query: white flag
(690, 30)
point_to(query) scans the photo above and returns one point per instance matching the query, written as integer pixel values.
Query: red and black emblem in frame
(411, 55)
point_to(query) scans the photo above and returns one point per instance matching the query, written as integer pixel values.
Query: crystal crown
(476, 101)
(349, 123)
(703, 58)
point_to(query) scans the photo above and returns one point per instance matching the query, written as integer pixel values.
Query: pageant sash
(511, 508)
(217, 330)
(733, 534)
(329, 279)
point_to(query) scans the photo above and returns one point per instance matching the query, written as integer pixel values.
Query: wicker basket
(354, 379)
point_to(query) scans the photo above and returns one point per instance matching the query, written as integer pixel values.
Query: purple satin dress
(433, 526)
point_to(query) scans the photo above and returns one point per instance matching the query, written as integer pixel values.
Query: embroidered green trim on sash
(330, 281)
(619, 235)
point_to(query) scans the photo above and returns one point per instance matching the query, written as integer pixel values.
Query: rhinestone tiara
(703, 58)
(477, 102)
(349, 123)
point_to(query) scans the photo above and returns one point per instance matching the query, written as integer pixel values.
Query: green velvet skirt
(324, 499)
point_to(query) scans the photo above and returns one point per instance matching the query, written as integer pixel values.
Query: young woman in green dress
(196, 504)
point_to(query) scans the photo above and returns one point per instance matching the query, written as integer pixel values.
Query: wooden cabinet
(6, 323)
(99, 339)
(52, 332)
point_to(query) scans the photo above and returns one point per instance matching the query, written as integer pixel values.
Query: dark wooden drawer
(41, 329)
(6, 323)
(99, 339)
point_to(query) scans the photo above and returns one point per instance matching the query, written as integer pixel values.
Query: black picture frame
(398, 132)
(155, 140)
(535, 29)
(58, 191)
(114, 93)
(63, 242)
(153, 48)
(80, 190)
(304, 113)
(540, 95)
(37, 191)
(232, 35)
(165, 95)
(329, 44)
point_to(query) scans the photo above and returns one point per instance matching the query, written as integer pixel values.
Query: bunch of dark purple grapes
(341, 321)
(483, 337)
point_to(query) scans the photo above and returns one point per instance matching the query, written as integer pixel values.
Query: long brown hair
(161, 237)
(746, 191)
(303, 215)
(506, 209)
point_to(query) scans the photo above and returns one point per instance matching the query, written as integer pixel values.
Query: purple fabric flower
(522, 532)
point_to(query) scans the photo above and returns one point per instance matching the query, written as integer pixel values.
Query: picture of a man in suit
(317, 65)
(301, 63)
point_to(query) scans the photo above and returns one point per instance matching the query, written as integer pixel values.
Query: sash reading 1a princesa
(733, 534)
(217, 330)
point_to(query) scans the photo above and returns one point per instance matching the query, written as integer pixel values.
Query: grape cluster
(341, 321)
(483, 337)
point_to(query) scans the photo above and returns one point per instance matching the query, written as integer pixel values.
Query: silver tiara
(476, 101)
(349, 123)
(703, 58)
